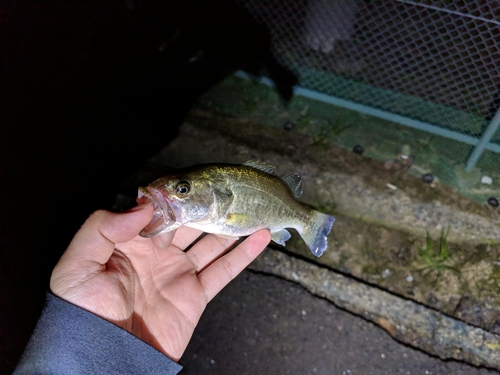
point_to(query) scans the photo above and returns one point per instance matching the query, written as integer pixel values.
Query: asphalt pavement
(260, 324)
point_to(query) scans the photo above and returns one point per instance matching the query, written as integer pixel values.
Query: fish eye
(182, 187)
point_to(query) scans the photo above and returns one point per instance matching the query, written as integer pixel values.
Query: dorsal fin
(295, 183)
(264, 167)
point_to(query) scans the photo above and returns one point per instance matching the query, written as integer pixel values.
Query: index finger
(216, 276)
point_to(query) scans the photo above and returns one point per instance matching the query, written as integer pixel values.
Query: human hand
(149, 286)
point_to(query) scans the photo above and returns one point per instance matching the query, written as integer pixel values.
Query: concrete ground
(260, 324)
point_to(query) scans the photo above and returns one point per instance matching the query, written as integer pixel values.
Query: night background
(89, 91)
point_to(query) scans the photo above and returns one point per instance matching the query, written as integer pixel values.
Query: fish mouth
(166, 216)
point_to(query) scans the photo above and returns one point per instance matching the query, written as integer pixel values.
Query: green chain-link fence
(431, 65)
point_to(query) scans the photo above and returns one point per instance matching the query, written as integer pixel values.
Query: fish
(234, 200)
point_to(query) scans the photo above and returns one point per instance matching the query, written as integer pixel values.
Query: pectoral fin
(223, 196)
(281, 237)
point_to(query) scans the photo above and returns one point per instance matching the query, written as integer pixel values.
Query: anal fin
(281, 237)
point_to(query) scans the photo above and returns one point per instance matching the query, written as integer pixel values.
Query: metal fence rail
(434, 65)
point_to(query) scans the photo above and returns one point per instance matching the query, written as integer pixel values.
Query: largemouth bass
(234, 200)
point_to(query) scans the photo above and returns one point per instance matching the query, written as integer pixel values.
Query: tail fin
(315, 232)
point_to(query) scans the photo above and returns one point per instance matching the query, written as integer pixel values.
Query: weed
(336, 129)
(436, 256)
(303, 121)
(249, 104)
(329, 131)
(341, 263)
(320, 138)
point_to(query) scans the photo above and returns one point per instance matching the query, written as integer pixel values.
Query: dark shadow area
(89, 91)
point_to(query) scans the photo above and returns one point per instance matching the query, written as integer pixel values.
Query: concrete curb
(407, 321)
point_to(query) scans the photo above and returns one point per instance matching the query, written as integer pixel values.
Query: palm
(150, 287)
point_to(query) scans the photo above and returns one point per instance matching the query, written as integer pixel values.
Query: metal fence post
(485, 138)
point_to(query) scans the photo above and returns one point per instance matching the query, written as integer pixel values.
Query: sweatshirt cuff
(69, 339)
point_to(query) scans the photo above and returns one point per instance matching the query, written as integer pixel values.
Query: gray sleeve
(71, 340)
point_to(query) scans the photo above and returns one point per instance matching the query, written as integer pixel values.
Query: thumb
(96, 239)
